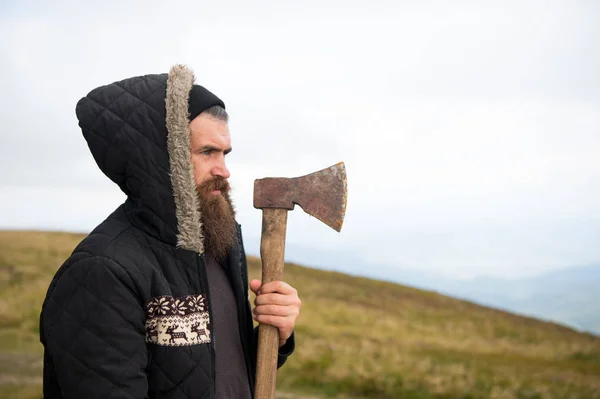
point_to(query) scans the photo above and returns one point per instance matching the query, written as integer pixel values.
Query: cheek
(201, 171)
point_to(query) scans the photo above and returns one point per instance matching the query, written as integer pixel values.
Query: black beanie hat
(201, 100)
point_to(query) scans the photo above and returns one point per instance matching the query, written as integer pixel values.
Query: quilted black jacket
(128, 315)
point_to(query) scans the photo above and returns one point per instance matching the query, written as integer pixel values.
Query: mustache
(217, 183)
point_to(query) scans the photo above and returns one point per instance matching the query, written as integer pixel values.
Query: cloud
(469, 131)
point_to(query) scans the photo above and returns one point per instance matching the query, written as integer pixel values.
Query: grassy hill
(356, 338)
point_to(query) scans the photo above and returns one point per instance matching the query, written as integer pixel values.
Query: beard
(218, 218)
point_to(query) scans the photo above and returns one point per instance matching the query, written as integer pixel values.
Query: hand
(277, 304)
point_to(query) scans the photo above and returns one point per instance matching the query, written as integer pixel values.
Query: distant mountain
(570, 296)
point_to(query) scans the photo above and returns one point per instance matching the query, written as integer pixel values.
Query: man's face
(210, 141)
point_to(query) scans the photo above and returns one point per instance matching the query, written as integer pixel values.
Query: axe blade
(322, 194)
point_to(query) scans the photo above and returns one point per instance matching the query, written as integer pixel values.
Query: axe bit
(321, 194)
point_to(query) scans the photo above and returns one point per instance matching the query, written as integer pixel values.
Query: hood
(138, 132)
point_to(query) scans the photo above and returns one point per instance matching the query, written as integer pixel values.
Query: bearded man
(153, 303)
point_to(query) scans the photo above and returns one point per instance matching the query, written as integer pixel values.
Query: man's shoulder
(114, 249)
(119, 242)
(101, 241)
(96, 246)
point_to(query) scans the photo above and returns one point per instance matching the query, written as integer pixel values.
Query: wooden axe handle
(272, 249)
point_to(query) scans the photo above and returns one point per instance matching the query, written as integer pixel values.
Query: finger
(276, 299)
(275, 310)
(281, 322)
(255, 286)
(279, 287)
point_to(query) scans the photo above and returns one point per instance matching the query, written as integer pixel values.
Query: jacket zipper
(213, 344)
(249, 334)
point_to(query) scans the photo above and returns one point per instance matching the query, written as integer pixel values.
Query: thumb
(255, 285)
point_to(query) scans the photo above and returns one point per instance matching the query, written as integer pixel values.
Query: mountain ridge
(564, 295)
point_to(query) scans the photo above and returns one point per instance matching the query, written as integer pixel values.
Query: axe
(321, 194)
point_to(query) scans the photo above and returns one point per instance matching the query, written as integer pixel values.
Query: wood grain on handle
(272, 250)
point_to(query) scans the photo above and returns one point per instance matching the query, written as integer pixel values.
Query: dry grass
(376, 339)
(356, 337)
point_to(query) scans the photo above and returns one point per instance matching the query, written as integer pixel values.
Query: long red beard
(218, 218)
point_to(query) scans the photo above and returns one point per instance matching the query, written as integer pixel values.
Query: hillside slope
(356, 337)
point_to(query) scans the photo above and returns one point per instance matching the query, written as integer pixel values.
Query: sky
(470, 131)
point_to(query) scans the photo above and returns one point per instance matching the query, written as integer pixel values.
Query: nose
(220, 169)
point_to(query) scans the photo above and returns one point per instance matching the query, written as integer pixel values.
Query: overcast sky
(470, 130)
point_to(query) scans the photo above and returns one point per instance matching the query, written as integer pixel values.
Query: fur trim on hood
(179, 84)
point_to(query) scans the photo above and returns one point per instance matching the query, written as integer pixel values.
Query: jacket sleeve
(92, 327)
(285, 351)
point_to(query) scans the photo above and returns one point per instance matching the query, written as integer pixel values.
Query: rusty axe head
(321, 194)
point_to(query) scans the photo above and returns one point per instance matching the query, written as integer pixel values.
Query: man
(154, 302)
